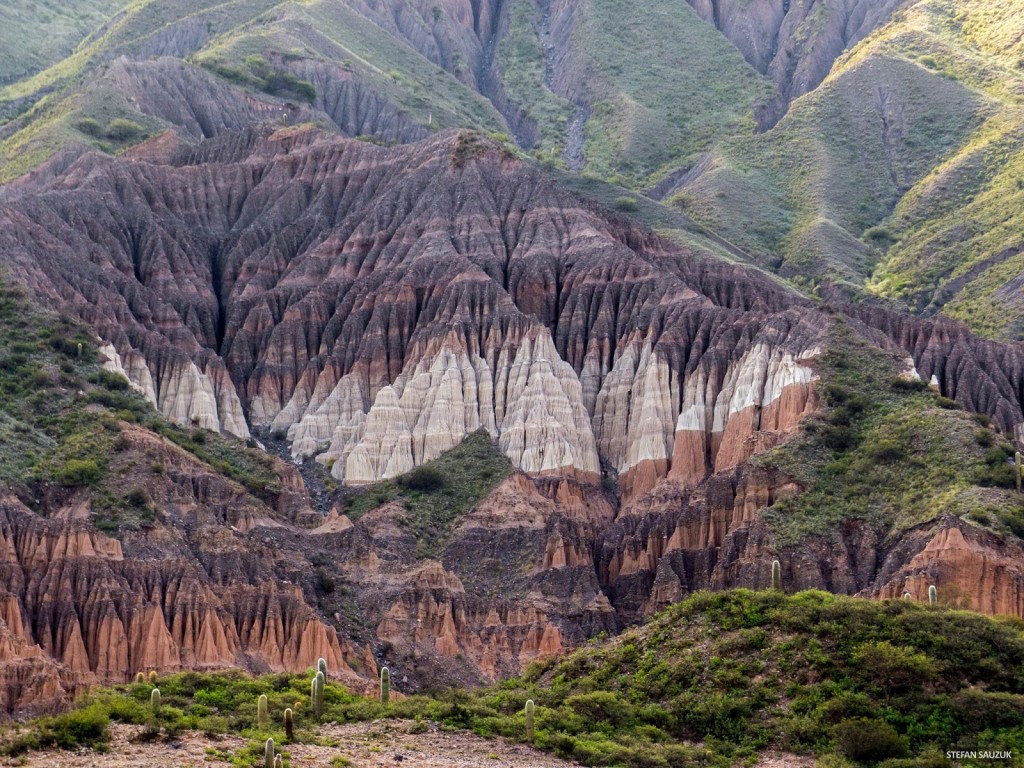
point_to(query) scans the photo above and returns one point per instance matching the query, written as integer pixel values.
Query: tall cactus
(1018, 461)
(933, 595)
(776, 575)
(289, 725)
(140, 678)
(321, 665)
(268, 754)
(385, 685)
(529, 720)
(152, 677)
(262, 716)
(154, 701)
(316, 693)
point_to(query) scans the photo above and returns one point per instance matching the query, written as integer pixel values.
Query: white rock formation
(530, 401)
(184, 394)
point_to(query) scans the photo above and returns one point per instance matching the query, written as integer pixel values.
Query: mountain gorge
(315, 348)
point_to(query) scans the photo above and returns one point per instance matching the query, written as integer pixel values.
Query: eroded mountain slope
(375, 307)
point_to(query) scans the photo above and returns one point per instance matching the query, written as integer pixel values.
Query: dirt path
(363, 745)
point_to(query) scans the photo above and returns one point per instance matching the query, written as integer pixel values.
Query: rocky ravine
(376, 306)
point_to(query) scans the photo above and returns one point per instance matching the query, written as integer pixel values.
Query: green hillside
(712, 681)
(37, 33)
(889, 452)
(902, 171)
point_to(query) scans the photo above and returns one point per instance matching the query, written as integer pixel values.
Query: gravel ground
(364, 745)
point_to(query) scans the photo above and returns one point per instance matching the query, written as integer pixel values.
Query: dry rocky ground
(364, 745)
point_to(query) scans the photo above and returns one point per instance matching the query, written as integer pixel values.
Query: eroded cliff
(374, 307)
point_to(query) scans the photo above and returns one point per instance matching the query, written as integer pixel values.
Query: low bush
(864, 740)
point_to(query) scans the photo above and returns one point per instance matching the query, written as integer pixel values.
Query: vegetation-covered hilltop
(712, 681)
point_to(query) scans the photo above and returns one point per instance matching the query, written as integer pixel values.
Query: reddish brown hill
(377, 305)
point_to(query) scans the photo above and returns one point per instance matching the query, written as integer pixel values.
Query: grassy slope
(662, 85)
(802, 195)
(320, 29)
(521, 60)
(905, 169)
(437, 494)
(965, 215)
(330, 31)
(45, 108)
(708, 682)
(891, 453)
(35, 34)
(61, 419)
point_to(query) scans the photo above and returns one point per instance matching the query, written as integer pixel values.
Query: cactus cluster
(385, 685)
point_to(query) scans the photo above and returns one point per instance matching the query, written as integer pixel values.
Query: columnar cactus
(262, 718)
(278, 761)
(529, 720)
(321, 665)
(154, 700)
(316, 693)
(152, 677)
(289, 725)
(776, 574)
(933, 595)
(268, 754)
(385, 685)
(1018, 460)
(140, 678)
(907, 596)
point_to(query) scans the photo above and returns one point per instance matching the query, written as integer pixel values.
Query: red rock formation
(969, 567)
(376, 305)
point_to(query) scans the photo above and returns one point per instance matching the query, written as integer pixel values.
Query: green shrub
(122, 129)
(879, 236)
(625, 204)
(423, 478)
(864, 740)
(90, 127)
(78, 472)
